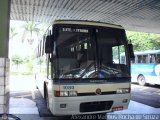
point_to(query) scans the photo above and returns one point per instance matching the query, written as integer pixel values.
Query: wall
(4, 60)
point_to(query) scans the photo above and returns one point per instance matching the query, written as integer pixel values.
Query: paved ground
(148, 95)
(22, 101)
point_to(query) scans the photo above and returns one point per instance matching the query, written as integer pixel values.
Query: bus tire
(46, 96)
(141, 80)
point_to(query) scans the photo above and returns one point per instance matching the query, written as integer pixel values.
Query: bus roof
(85, 22)
(147, 52)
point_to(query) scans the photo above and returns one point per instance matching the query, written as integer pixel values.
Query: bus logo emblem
(98, 91)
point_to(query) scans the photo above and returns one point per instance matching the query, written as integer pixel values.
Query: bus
(145, 68)
(78, 69)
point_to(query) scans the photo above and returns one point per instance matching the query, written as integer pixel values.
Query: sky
(16, 47)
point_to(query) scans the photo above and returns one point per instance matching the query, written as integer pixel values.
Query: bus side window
(145, 59)
(158, 58)
(116, 51)
(152, 58)
(139, 57)
(48, 67)
(122, 59)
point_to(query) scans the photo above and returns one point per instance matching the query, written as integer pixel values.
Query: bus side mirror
(48, 45)
(130, 46)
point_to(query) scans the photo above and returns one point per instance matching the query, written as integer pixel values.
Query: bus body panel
(91, 87)
(73, 103)
(151, 72)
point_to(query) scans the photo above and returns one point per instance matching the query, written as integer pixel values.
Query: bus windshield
(89, 52)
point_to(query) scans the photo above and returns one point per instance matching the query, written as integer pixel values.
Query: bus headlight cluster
(72, 93)
(123, 90)
(65, 93)
(68, 93)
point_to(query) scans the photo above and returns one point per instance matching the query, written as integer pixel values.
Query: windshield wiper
(87, 69)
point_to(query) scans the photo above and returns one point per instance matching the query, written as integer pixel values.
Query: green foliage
(16, 59)
(21, 73)
(29, 66)
(26, 67)
(13, 32)
(144, 41)
(27, 59)
(30, 28)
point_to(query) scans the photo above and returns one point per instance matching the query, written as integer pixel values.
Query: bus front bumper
(87, 104)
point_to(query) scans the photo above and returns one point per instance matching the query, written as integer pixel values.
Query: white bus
(79, 70)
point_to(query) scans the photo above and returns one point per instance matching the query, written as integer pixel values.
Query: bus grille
(95, 106)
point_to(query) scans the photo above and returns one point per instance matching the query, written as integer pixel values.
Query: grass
(21, 73)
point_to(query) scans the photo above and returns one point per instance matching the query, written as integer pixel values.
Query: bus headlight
(123, 90)
(72, 93)
(65, 93)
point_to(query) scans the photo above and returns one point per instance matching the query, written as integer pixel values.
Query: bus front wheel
(46, 96)
(141, 80)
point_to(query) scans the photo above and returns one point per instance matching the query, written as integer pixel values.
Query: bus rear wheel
(141, 80)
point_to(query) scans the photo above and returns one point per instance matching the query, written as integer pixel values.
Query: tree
(30, 29)
(17, 60)
(13, 33)
(144, 41)
(33, 32)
